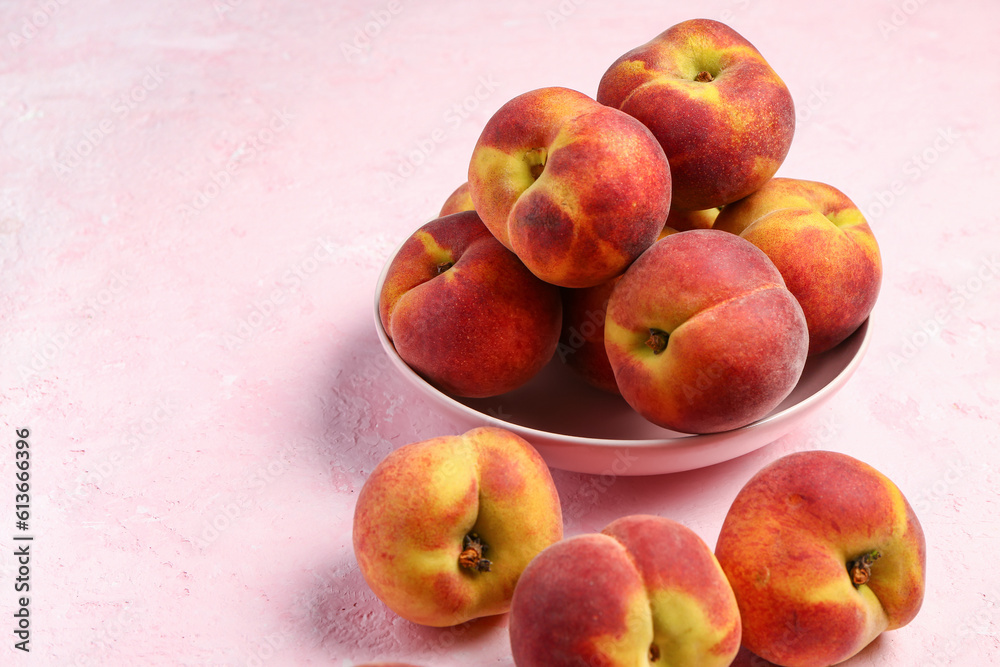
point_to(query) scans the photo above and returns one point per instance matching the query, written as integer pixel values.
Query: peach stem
(654, 652)
(861, 567)
(471, 557)
(704, 77)
(535, 158)
(444, 266)
(657, 340)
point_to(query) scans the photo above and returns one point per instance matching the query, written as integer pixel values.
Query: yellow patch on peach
(497, 164)
(615, 334)
(560, 192)
(630, 647)
(684, 634)
(427, 571)
(764, 164)
(507, 495)
(705, 93)
(433, 250)
(510, 176)
(630, 68)
(867, 605)
(696, 56)
(899, 505)
(847, 218)
(454, 486)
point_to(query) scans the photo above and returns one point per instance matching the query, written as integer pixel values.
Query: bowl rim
(674, 440)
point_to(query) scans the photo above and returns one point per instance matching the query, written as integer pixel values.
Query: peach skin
(682, 221)
(464, 312)
(576, 189)
(725, 119)
(458, 201)
(823, 247)
(645, 591)
(443, 528)
(824, 554)
(581, 344)
(702, 334)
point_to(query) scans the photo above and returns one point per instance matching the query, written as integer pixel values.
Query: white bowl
(577, 427)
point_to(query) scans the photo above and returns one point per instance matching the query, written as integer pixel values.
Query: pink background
(195, 204)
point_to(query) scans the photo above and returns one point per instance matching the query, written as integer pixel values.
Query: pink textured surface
(195, 203)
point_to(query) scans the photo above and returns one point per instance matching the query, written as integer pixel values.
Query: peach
(646, 590)
(464, 312)
(444, 528)
(725, 119)
(581, 344)
(683, 221)
(576, 189)
(702, 334)
(824, 554)
(823, 247)
(458, 201)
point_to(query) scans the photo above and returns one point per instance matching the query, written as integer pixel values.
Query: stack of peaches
(645, 233)
(646, 230)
